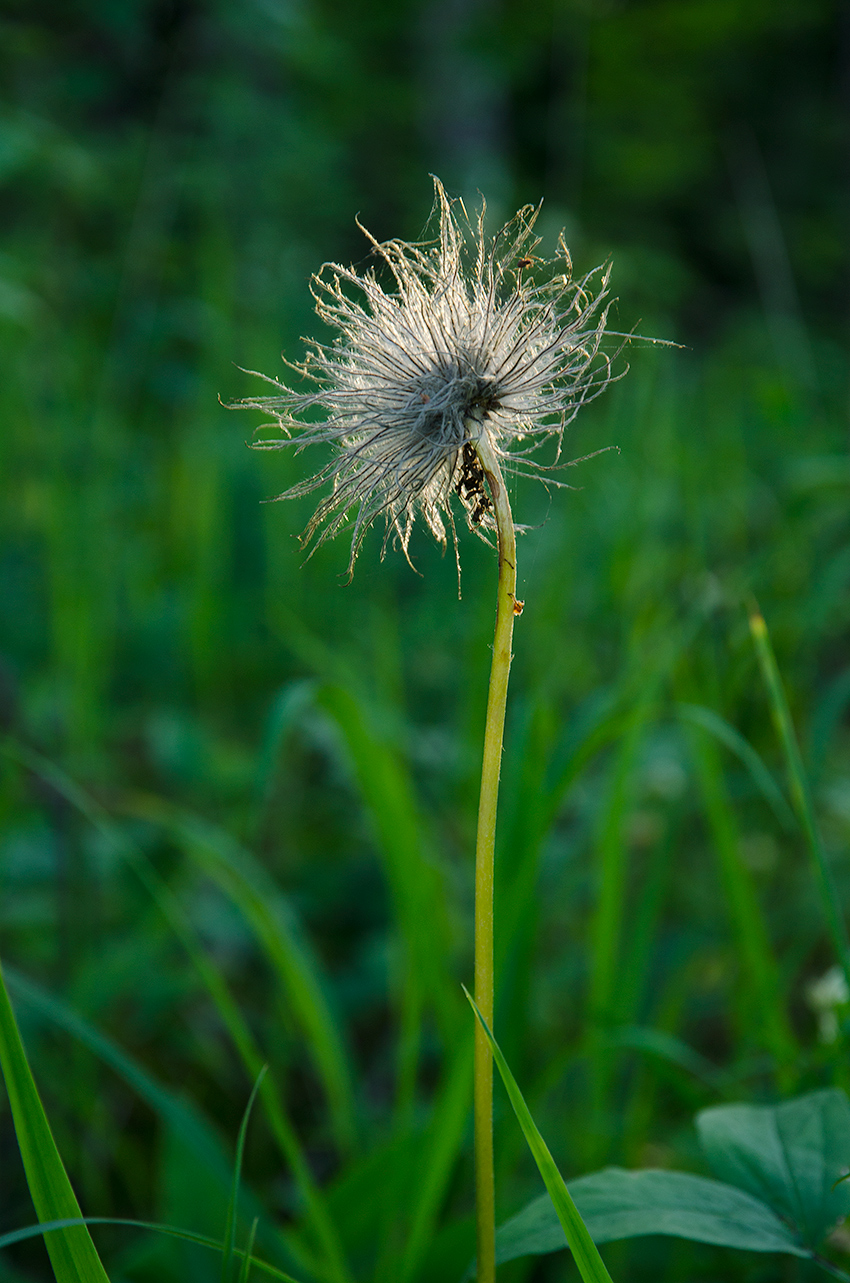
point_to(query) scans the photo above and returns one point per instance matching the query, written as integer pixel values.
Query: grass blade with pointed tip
(187, 1236)
(247, 1259)
(233, 1204)
(441, 1145)
(72, 1252)
(591, 1267)
(271, 920)
(228, 1009)
(414, 883)
(761, 1001)
(800, 791)
(186, 1121)
(708, 720)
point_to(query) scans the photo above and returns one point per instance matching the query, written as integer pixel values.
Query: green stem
(506, 608)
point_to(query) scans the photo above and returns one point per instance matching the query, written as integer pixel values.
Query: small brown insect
(525, 262)
(519, 606)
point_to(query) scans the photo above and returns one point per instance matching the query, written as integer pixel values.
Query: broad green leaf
(591, 1267)
(72, 1252)
(616, 1204)
(789, 1155)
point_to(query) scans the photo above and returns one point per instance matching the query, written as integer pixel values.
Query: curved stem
(484, 850)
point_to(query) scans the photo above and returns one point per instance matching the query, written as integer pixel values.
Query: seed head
(472, 337)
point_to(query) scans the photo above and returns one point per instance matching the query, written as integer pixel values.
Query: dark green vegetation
(238, 800)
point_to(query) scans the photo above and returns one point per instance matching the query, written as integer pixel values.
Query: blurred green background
(290, 763)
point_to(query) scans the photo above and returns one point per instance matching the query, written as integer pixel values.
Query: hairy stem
(493, 734)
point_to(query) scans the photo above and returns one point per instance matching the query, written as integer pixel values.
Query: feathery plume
(471, 339)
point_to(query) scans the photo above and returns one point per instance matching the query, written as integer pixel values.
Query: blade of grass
(590, 1265)
(656, 646)
(419, 900)
(519, 850)
(228, 1010)
(800, 792)
(388, 796)
(233, 1203)
(287, 707)
(177, 1113)
(830, 1268)
(192, 1127)
(607, 933)
(276, 929)
(715, 725)
(249, 1252)
(72, 1252)
(763, 1007)
(656, 653)
(439, 1152)
(535, 792)
(187, 1236)
(828, 714)
(605, 719)
(612, 874)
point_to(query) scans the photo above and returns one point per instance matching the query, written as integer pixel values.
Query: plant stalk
(506, 608)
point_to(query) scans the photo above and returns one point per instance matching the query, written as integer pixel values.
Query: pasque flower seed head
(473, 336)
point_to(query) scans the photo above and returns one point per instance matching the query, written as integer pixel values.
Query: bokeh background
(203, 730)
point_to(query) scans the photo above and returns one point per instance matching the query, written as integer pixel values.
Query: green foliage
(590, 1264)
(169, 1231)
(791, 1155)
(780, 1187)
(800, 791)
(237, 811)
(320, 909)
(72, 1252)
(229, 1249)
(616, 1204)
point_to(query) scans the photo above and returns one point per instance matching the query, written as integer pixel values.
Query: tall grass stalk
(285, 1136)
(801, 794)
(762, 1002)
(72, 1252)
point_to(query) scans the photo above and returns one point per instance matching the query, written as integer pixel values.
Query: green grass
(72, 1252)
(238, 802)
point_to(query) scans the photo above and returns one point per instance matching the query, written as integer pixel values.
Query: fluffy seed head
(471, 337)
